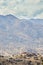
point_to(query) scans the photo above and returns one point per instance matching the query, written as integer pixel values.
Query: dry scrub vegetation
(22, 59)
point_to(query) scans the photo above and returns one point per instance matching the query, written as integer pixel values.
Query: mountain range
(18, 35)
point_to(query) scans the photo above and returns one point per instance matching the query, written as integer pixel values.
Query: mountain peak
(11, 16)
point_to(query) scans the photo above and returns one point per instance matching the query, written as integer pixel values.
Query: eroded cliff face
(22, 59)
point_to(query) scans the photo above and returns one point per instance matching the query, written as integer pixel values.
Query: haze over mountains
(18, 35)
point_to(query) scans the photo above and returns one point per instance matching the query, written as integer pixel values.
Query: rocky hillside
(22, 59)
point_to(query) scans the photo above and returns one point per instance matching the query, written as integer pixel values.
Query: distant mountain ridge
(20, 34)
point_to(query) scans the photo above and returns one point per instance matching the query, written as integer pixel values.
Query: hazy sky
(22, 8)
